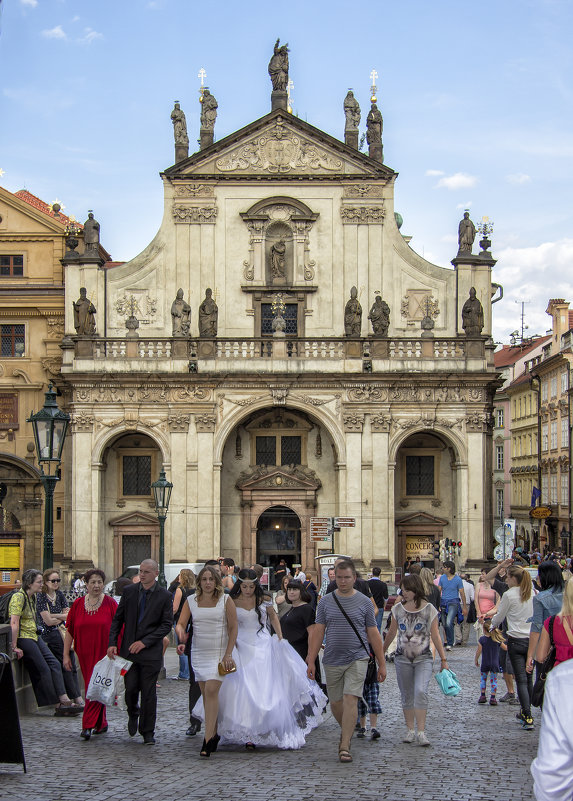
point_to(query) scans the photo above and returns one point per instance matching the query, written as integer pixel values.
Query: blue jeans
(379, 616)
(183, 662)
(448, 621)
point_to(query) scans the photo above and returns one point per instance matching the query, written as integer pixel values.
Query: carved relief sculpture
(180, 315)
(208, 315)
(84, 315)
(353, 315)
(379, 316)
(472, 315)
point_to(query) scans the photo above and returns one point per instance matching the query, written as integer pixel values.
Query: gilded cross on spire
(373, 87)
(290, 87)
(202, 75)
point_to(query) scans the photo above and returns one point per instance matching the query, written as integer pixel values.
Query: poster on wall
(422, 546)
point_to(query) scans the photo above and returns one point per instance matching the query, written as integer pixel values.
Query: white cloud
(29, 3)
(76, 19)
(55, 33)
(434, 173)
(466, 205)
(90, 36)
(518, 178)
(449, 238)
(459, 180)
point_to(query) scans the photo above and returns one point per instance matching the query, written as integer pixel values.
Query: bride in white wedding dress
(269, 701)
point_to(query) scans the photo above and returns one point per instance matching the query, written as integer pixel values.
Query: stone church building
(282, 351)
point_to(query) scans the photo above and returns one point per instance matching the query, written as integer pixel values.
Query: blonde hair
(187, 579)
(218, 591)
(427, 579)
(495, 635)
(523, 580)
(567, 574)
(567, 608)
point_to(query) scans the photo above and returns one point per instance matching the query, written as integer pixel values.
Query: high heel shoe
(86, 734)
(205, 749)
(214, 742)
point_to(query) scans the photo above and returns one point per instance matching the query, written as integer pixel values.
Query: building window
(136, 475)
(499, 457)
(11, 266)
(544, 437)
(553, 434)
(553, 488)
(290, 450)
(564, 382)
(13, 340)
(419, 475)
(564, 432)
(544, 489)
(499, 503)
(543, 390)
(553, 386)
(290, 317)
(564, 489)
(499, 417)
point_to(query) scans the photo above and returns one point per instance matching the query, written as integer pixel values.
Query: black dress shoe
(148, 739)
(86, 734)
(193, 729)
(100, 731)
(132, 724)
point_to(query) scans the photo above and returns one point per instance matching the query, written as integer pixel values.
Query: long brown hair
(45, 576)
(495, 635)
(413, 583)
(187, 579)
(218, 591)
(523, 580)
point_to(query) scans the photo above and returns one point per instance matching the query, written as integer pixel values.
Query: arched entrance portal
(278, 537)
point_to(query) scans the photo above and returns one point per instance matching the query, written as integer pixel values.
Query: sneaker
(409, 737)
(357, 727)
(506, 697)
(422, 739)
(525, 719)
(374, 734)
(448, 647)
(514, 701)
(482, 699)
(493, 701)
(361, 733)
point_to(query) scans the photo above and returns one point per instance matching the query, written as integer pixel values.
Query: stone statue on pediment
(179, 125)
(84, 315)
(351, 111)
(278, 67)
(379, 316)
(353, 315)
(180, 315)
(466, 234)
(209, 108)
(91, 234)
(208, 316)
(472, 315)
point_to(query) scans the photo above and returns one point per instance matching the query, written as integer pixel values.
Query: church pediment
(292, 477)
(282, 145)
(134, 519)
(420, 519)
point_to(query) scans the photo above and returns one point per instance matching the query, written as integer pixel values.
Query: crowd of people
(262, 669)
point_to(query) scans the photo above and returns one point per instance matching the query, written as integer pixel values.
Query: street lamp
(162, 494)
(50, 425)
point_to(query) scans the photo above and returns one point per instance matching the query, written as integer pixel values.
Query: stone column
(351, 506)
(279, 99)
(205, 423)
(177, 548)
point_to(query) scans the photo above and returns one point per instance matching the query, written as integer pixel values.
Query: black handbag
(472, 614)
(372, 669)
(546, 667)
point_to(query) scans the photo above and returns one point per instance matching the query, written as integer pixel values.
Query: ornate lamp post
(162, 494)
(50, 425)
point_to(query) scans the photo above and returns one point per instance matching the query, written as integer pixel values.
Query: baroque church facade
(285, 355)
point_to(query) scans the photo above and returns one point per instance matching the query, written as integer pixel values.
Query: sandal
(344, 755)
(63, 710)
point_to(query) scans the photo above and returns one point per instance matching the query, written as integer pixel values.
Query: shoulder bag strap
(567, 627)
(355, 630)
(551, 624)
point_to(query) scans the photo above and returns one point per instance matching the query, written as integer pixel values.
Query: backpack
(4, 604)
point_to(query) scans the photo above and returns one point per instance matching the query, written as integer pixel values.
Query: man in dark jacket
(145, 613)
(379, 591)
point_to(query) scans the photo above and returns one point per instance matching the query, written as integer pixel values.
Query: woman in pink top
(562, 630)
(486, 601)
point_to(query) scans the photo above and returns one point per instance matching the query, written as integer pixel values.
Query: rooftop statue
(208, 314)
(353, 315)
(466, 234)
(208, 111)
(179, 126)
(472, 315)
(91, 233)
(180, 315)
(352, 112)
(278, 67)
(374, 126)
(84, 315)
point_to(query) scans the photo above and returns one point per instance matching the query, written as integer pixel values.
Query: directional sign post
(344, 522)
(320, 529)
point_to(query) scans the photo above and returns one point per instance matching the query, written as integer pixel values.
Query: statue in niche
(91, 234)
(379, 316)
(472, 315)
(209, 108)
(353, 315)
(179, 126)
(208, 314)
(278, 67)
(352, 112)
(374, 126)
(180, 315)
(278, 260)
(84, 315)
(466, 234)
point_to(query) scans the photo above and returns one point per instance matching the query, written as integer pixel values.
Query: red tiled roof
(110, 264)
(34, 201)
(524, 378)
(509, 354)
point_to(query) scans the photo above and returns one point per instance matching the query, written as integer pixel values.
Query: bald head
(148, 572)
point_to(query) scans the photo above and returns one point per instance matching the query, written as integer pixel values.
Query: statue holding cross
(278, 67)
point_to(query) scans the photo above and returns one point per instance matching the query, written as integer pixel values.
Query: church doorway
(278, 537)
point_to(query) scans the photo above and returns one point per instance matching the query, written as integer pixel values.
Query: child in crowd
(370, 704)
(488, 647)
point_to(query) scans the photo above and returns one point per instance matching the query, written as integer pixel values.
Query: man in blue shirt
(452, 592)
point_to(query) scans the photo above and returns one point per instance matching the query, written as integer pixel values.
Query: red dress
(91, 635)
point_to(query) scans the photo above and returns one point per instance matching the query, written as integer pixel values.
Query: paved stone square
(478, 753)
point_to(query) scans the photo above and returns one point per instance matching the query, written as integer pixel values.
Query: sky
(476, 99)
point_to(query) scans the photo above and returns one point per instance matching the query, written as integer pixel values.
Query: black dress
(294, 625)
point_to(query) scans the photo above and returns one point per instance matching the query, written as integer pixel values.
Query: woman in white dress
(214, 622)
(269, 701)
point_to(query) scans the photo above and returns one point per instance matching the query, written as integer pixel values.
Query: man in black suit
(146, 612)
(379, 591)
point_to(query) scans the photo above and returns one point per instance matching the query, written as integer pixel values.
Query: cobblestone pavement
(478, 753)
